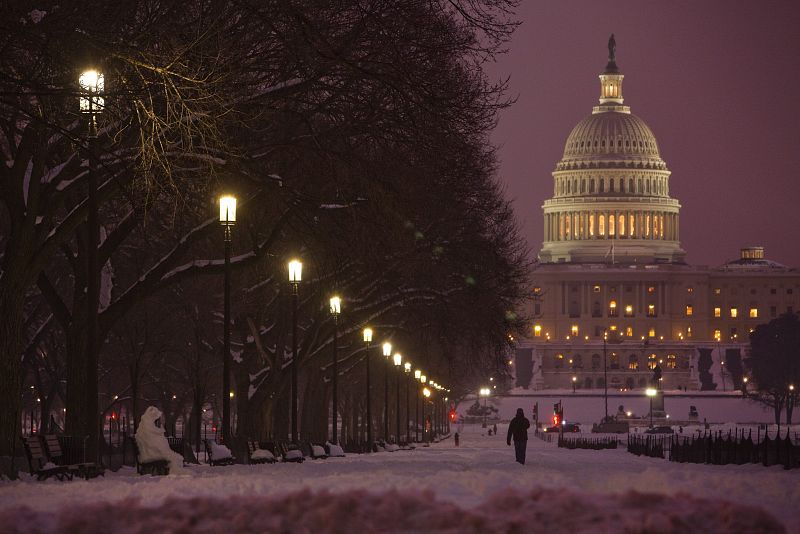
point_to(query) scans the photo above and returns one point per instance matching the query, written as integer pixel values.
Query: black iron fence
(570, 442)
(718, 449)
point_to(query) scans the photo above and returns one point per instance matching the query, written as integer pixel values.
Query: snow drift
(539, 510)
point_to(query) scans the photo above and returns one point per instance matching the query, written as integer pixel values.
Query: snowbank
(537, 511)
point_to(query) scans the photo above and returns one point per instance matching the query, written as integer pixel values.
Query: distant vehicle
(660, 430)
(568, 427)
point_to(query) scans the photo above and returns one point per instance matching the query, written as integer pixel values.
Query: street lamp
(417, 375)
(574, 383)
(398, 361)
(295, 276)
(744, 386)
(336, 309)
(91, 101)
(425, 393)
(485, 392)
(368, 340)
(651, 392)
(407, 369)
(227, 218)
(606, 340)
(387, 352)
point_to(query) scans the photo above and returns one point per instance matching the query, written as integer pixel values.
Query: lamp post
(295, 276)
(407, 369)
(744, 386)
(484, 392)
(387, 352)
(651, 392)
(91, 101)
(417, 375)
(574, 383)
(398, 361)
(227, 218)
(336, 309)
(368, 340)
(425, 393)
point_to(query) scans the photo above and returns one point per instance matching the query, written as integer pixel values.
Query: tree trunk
(76, 382)
(790, 400)
(11, 326)
(778, 407)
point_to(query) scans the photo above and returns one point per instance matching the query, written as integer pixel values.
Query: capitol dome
(611, 201)
(612, 137)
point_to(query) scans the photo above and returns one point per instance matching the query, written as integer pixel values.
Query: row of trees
(355, 136)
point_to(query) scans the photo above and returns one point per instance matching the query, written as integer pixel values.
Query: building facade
(613, 297)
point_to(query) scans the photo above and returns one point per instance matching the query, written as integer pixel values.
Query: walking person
(518, 429)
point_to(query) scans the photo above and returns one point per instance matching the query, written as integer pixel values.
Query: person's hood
(520, 412)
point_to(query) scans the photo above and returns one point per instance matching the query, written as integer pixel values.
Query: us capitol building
(612, 284)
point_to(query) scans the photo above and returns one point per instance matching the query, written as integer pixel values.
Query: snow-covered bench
(259, 455)
(152, 467)
(39, 464)
(334, 450)
(218, 454)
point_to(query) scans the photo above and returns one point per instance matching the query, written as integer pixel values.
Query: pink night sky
(718, 82)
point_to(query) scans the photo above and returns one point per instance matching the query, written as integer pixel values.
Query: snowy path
(466, 476)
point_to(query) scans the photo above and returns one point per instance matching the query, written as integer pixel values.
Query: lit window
(596, 289)
(537, 330)
(672, 361)
(633, 362)
(628, 311)
(689, 310)
(651, 332)
(651, 310)
(612, 308)
(591, 217)
(717, 312)
(574, 330)
(753, 313)
(613, 328)
(690, 290)
(629, 331)
(717, 291)
(621, 225)
(734, 312)
(717, 334)
(688, 331)
(630, 225)
(537, 290)
(652, 361)
(611, 220)
(651, 289)
(559, 360)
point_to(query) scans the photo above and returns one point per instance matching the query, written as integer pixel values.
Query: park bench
(40, 465)
(260, 455)
(333, 450)
(217, 454)
(290, 452)
(84, 470)
(152, 468)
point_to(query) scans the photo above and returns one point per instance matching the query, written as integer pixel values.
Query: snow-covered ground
(584, 491)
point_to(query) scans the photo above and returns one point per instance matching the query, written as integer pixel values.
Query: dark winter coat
(518, 429)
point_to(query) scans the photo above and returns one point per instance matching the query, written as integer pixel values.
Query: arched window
(602, 186)
(569, 185)
(630, 185)
(583, 186)
(591, 185)
(577, 362)
(621, 225)
(611, 185)
(633, 362)
(652, 361)
(559, 361)
(596, 362)
(601, 224)
(611, 220)
(591, 225)
(567, 232)
(672, 361)
(630, 224)
(639, 188)
(613, 361)
(648, 186)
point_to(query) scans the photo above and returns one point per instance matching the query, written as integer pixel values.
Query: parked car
(567, 427)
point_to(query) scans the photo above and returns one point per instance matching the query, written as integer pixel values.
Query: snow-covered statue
(153, 444)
